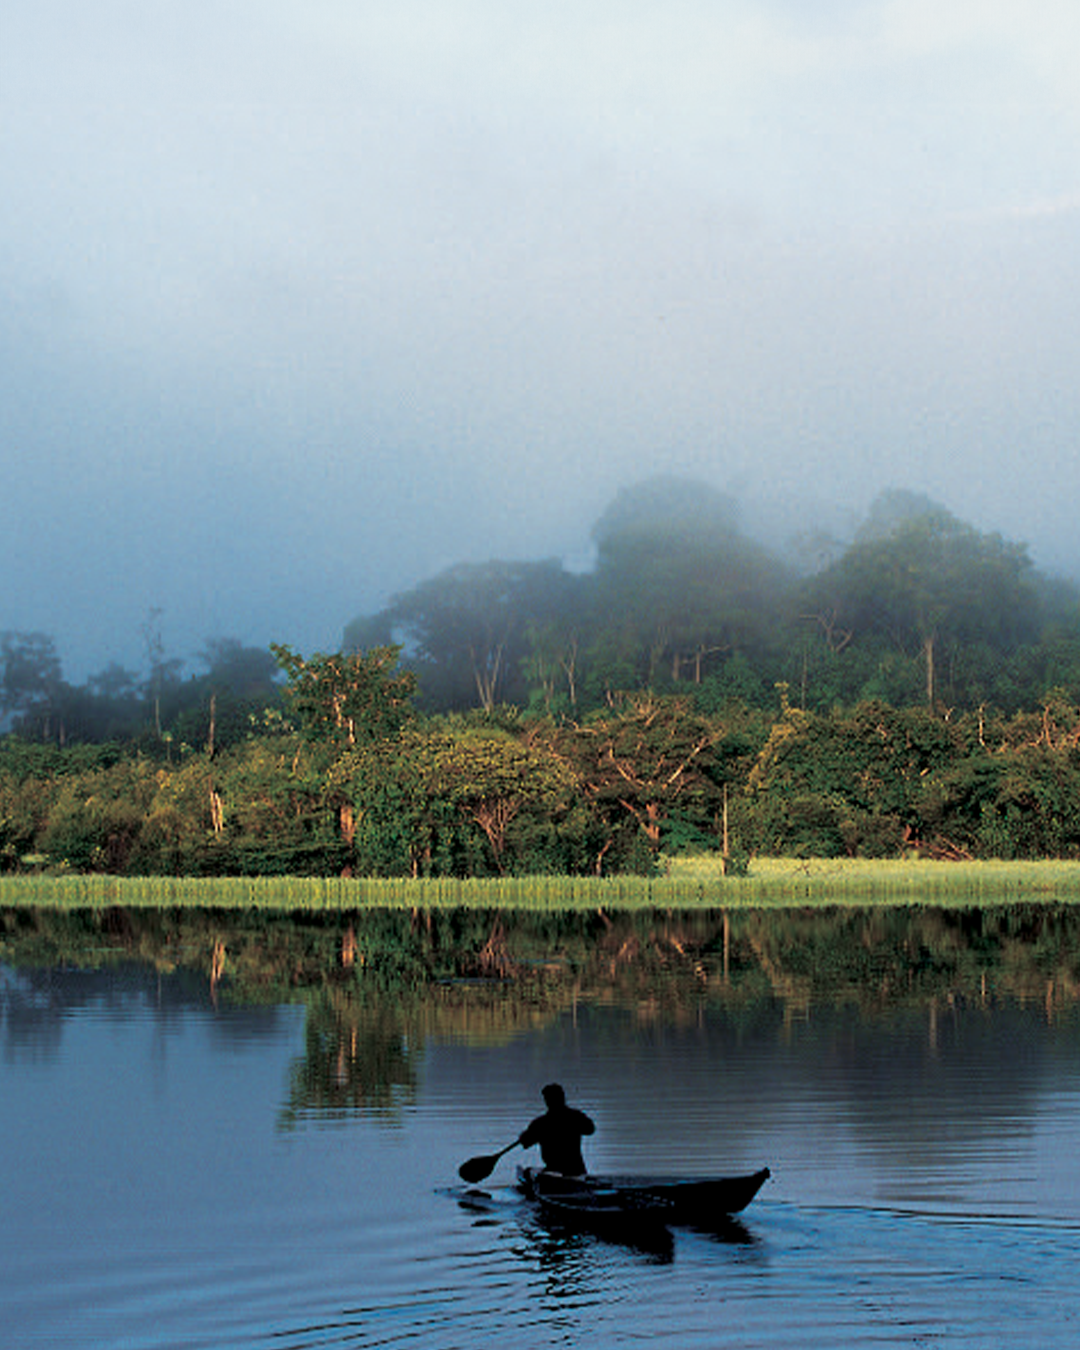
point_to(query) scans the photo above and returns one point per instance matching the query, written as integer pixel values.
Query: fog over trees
(916, 687)
(917, 607)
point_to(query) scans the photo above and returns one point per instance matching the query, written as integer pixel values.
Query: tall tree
(678, 586)
(466, 631)
(245, 673)
(930, 584)
(164, 672)
(642, 761)
(30, 681)
(348, 698)
(449, 797)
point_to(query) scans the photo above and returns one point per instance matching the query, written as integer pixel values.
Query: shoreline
(688, 883)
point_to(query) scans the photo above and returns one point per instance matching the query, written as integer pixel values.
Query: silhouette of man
(559, 1132)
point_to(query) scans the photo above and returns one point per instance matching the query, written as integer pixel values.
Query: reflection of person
(559, 1132)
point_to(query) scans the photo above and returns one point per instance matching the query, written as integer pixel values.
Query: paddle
(476, 1169)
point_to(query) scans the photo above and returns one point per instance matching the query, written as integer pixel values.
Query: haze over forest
(302, 305)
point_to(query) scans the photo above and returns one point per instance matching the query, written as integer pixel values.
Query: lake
(244, 1131)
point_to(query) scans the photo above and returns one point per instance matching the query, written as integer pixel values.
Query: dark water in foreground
(179, 1171)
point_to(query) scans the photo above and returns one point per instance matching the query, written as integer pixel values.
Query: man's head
(554, 1096)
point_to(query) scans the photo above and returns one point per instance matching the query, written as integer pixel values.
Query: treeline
(217, 705)
(916, 608)
(915, 689)
(357, 781)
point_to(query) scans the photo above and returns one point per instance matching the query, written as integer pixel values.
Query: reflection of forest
(378, 985)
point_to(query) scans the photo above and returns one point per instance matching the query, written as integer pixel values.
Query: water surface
(181, 1166)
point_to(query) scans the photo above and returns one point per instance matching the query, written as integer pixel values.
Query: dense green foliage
(624, 791)
(917, 692)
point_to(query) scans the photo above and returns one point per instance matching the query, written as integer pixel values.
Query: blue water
(157, 1191)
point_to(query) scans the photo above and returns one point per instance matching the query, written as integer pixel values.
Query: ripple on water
(798, 1276)
(803, 1278)
(156, 1204)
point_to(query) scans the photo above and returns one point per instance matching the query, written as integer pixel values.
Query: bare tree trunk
(487, 677)
(928, 650)
(569, 665)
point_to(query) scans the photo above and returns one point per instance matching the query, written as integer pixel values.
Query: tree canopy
(917, 606)
(917, 689)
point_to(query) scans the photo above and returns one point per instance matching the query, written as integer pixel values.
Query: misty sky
(302, 302)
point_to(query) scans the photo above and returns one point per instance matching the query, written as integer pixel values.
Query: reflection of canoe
(612, 1200)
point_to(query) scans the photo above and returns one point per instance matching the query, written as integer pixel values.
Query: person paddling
(559, 1132)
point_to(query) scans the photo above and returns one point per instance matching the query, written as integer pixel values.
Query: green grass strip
(690, 883)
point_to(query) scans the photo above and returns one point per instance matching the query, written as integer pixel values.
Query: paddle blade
(476, 1169)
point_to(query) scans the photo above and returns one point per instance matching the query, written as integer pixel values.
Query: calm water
(183, 1168)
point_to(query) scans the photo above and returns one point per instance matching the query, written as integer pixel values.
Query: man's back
(559, 1133)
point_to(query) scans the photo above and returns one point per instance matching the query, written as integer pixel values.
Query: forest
(914, 689)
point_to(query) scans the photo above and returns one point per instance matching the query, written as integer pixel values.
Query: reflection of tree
(916, 1024)
(372, 978)
(31, 1019)
(355, 1060)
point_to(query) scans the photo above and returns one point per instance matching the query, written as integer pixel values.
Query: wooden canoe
(694, 1201)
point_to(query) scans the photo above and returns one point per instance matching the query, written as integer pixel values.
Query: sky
(301, 303)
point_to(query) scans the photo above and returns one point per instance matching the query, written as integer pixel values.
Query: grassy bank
(690, 883)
